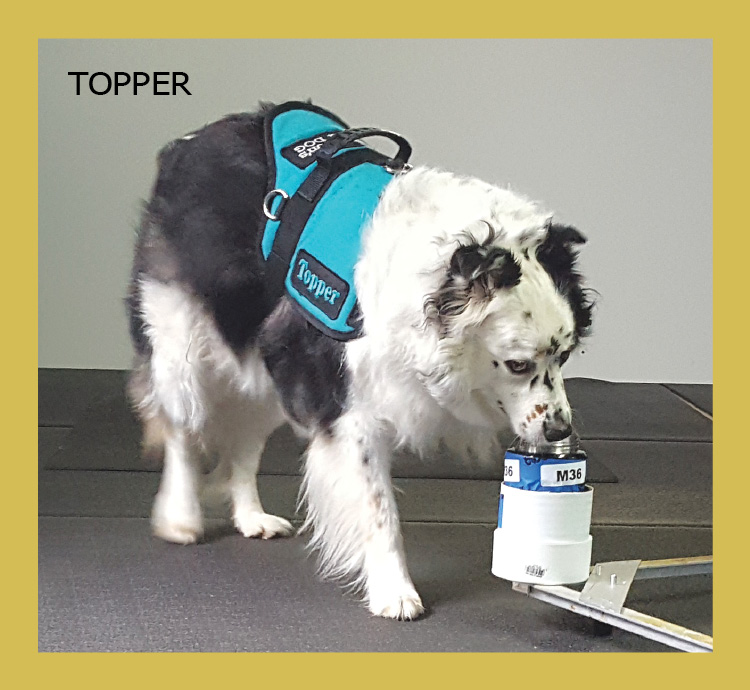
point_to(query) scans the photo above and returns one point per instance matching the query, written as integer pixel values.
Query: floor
(105, 584)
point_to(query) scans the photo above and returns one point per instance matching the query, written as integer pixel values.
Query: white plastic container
(544, 516)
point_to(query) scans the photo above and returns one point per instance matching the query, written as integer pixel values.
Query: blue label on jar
(533, 473)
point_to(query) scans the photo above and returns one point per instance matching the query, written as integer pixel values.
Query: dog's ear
(558, 234)
(484, 268)
(475, 272)
(558, 255)
(558, 251)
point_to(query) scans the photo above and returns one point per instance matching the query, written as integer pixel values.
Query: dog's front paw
(404, 607)
(256, 524)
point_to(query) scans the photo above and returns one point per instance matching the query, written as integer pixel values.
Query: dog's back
(201, 227)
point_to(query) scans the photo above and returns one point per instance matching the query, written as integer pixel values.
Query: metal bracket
(609, 583)
(607, 588)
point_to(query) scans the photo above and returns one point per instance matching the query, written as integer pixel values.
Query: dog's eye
(564, 357)
(518, 366)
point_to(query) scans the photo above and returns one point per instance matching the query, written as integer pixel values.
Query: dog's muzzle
(556, 428)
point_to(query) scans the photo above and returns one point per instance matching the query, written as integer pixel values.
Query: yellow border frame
(137, 19)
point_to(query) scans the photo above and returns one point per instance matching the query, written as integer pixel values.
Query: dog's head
(509, 315)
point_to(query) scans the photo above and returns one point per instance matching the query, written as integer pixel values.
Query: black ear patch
(475, 272)
(558, 255)
(485, 268)
(564, 234)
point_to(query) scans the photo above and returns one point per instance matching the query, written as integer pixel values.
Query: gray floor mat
(700, 394)
(107, 585)
(107, 437)
(634, 411)
(52, 440)
(64, 394)
(660, 483)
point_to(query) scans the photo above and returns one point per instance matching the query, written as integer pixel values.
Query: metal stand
(607, 588)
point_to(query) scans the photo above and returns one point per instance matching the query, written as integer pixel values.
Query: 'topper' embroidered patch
(319, 284)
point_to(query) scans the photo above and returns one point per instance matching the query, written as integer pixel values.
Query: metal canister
(558, 466)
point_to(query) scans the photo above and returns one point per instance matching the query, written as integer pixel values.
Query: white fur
(433, 381)
(353, 515)
(410, 384)
(214, 404)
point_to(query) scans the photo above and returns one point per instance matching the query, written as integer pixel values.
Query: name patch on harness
(321, 286)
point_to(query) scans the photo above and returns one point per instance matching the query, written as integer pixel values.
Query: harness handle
(340, 140)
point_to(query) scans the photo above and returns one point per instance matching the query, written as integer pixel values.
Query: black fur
(206, 211)
(558, 256)
(548, 380)
(475, 272)
(485, 268)
(307, 367)
(135, 321)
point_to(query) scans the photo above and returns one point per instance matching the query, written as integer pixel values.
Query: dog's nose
(556, 431)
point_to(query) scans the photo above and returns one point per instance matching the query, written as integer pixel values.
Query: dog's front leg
(353, 515)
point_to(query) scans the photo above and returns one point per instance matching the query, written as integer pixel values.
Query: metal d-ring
(405, 168)
(269, 199)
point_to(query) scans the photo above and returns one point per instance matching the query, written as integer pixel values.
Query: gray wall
(615, 136)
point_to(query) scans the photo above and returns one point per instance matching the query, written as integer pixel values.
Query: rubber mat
(660, 484)
(93, 399)
(52, 440)
(106, 585)
(634, 411)
(107, 437)
(64, 394)
(699, 394)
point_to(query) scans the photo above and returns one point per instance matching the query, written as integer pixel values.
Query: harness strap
(311, 187)
(345, 138)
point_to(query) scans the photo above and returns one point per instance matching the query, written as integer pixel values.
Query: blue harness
(324, 185)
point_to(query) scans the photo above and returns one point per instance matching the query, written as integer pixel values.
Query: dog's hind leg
(354, 519)
(177, 398)
(176, 515)
(245, 430)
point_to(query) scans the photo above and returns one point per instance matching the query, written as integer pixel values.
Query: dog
(470, 303)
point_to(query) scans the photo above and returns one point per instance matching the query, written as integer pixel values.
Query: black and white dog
(470, 305)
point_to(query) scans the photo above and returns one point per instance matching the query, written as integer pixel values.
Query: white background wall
(614, 136)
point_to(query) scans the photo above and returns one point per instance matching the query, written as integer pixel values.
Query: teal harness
(324, 185)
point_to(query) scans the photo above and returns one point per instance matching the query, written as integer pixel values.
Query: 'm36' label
(563, 474)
